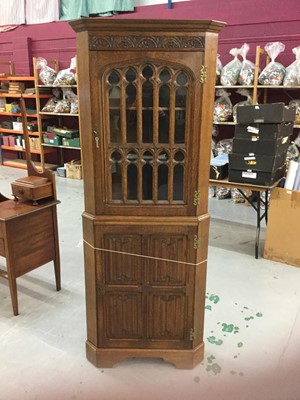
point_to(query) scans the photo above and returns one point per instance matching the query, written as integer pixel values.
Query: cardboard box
(12, 141)
(5, 140)
(255, 177)
(283, 228)
(260, 147)
(74, 169)
(263, 131)
(257, 162)
(265, 113)
(17, 126)
(8, 108)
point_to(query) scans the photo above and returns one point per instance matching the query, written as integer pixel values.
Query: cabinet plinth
(146, 91)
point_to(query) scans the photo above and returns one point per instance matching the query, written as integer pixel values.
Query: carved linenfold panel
(123, 315)
(119, 267)
(149, 42)
(169, 248)
(166, 316)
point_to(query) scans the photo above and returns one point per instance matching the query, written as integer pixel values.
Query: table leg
(12, 283)
(266, 205)
(257, 224)
(56, 260)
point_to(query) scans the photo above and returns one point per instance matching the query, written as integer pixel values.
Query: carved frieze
(142, 42)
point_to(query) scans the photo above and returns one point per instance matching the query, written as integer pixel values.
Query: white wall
(139, 3)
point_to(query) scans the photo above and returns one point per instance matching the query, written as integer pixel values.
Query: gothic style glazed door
(146, 95)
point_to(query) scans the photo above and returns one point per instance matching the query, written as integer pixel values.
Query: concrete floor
(252, 323)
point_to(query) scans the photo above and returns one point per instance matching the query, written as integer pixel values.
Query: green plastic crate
(52, 139)
(71, 142)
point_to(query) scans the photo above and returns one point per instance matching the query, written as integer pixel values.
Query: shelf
(18, 115)
(278, 87)
(234, 87)
(17, 78)
(225, 123)
(23, 165)
(11, 148)
(18, 132)
(25, 95)
(60, 147)
(59, 114)
(14, 95)
(58, 87)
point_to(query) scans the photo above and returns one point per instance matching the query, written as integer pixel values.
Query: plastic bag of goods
(248, 102)
(218, 69)
(292, 154)
(222, 106)
(273, 74)
(246, 76)
(292, 72)
(223, 147)
(51, 103)
(47, 74)
(296, 103)
(231, 71)
(72, 97)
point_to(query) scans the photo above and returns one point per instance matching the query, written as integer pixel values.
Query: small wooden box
(32, 188)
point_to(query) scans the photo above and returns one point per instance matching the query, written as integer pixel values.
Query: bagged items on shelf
(292, 154)
(63, 106)
(273, 73)
(247, 102)
(223, 147)
(72, 97)
(51, 103)
(218, 69)
(215, 131)
(236, 196)
(292, 72)
(296, 103)
(222, 106)
(213, 148)
(47, 74)
(297, 140)
(246, 76)
(213, 153)
(66, 76)
(231, 71)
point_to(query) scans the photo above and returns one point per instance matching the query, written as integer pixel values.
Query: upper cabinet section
(146, 113)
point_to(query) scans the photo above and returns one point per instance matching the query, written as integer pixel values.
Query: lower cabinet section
(149, 291)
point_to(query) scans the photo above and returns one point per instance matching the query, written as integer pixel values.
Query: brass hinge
(203, 74)
(196, 200)
(192, 334)
(196, 242)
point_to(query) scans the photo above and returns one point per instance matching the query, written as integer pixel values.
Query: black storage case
(263, 131)
(256, 162)
(260, 147)
(265, 113)
(255, 177)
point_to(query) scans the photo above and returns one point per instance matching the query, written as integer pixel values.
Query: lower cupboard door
(145, 302)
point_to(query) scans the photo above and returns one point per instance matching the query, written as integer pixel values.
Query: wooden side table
(28, 240)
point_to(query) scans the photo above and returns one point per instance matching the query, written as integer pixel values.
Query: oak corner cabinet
(146, 90)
